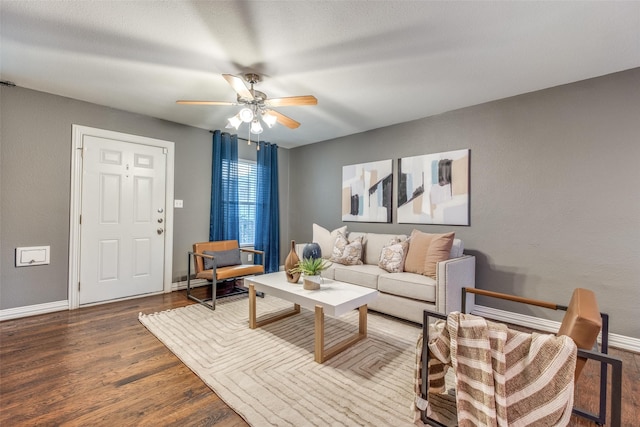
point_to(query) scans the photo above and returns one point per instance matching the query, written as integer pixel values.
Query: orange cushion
(232, 271)
(426, 250)
(582, 322)
(439, 250)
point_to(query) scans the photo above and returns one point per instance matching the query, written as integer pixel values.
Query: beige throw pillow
(426, 250)
(347, 253)
(326, 239)
(393, 255)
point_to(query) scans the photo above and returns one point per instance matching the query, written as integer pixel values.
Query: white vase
(311, 282)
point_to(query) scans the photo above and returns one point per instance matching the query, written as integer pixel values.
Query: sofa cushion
(222, 258)
(392, 256)
(374, 243)
(353, 235)
(409, 285)
(426, 250)
(345, 252)
(326, 239)
(329, 272)
(363, 275)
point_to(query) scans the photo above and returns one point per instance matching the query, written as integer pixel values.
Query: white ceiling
(370, 63)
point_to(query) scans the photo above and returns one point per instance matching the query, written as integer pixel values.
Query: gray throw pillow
(223, 258)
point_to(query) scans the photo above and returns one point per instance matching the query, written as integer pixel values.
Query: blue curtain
(267, 211)
(224, 221)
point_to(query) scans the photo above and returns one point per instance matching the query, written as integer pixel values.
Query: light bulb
(234, 122)
(246, 115)
(269, 119)
(256, 127)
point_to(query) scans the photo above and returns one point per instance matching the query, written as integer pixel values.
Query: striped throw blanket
(503, 377)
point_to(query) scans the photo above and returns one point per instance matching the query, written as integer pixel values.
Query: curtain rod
(239, 137)
(257, 141)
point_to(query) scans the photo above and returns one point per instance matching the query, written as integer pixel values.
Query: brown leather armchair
(218, 262)
(582, 323)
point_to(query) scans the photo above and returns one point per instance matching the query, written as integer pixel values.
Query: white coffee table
(334, 298)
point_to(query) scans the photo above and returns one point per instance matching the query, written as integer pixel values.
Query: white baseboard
(615, 340)
(33, 310)
(177, 286)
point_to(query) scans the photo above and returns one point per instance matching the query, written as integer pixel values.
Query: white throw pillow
(345, 252)
(392, 256)
(326, 239)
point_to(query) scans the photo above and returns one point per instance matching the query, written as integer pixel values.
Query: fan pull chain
(249, 141)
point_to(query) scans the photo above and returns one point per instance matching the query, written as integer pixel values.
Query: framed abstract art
(367, 190)
(434, 188)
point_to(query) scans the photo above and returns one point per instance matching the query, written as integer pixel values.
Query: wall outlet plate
(177, 203)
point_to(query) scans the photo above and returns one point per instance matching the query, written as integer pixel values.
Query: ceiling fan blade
(185, 102)
(238, 85)
(291, 100)
(284, 120)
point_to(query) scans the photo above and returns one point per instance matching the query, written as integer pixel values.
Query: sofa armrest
(452, 275)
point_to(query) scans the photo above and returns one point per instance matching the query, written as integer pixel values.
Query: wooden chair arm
(499, 295)
(202, 255)
(254, 251)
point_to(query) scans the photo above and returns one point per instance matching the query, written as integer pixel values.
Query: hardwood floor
(98, 366)
(587, 389)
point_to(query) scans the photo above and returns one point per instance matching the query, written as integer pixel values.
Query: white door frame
(77, 134)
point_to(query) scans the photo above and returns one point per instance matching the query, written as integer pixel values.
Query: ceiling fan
(256, 104)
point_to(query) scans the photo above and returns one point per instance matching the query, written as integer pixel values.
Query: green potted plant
(311, 269)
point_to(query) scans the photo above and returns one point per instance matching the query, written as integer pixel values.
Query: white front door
(122, 219)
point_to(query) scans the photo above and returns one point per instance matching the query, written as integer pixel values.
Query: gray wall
(35, 181)
(554, 199)
(554, 190)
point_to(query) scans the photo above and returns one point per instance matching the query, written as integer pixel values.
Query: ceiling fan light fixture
(234, 122)
(269, 119)
(255, 106)
(246, 115)
(256, 127)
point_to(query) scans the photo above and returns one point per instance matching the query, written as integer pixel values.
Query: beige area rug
(269, 377)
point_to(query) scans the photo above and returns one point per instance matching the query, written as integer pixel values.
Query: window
(247, 180)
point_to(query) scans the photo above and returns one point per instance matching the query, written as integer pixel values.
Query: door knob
(160, 230)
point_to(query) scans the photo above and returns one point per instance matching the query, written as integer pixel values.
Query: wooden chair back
(221, 245)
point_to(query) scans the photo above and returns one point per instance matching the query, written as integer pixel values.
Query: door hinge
(80, 219)
(78, 286)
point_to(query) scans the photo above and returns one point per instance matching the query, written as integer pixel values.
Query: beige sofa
(406, 295)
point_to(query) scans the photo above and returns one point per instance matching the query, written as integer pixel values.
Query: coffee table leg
(322, 354)
(362, 320)
(253, 319)
(319, 334)
(252, 306)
